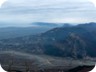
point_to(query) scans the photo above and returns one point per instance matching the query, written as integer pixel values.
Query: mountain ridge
(76, 42)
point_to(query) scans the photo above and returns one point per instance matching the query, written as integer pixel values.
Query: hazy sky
(24, 12)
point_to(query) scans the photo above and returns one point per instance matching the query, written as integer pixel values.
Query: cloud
(28, 11)
(42, 3)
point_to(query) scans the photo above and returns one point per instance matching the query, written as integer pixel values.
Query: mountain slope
(76, 42)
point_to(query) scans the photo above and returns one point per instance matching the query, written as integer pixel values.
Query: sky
(25, 12)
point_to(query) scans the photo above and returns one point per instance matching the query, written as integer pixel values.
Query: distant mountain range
(13, 32)
(38, 27)
(71, 41)
(52, 25)
(45, 24)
